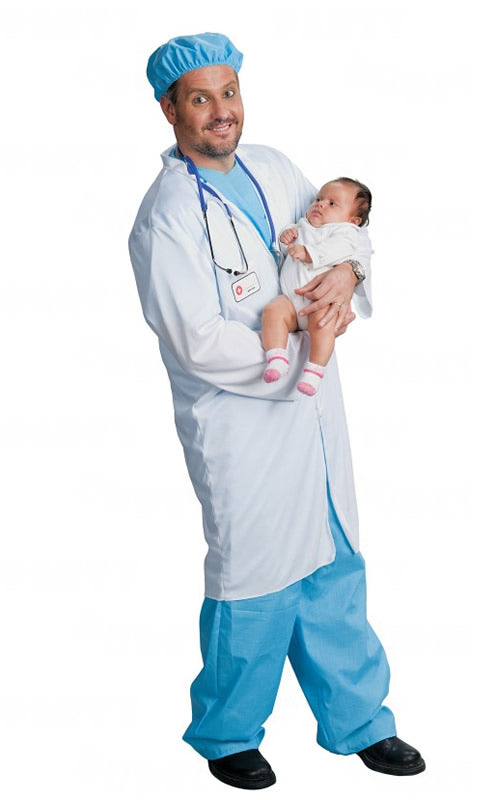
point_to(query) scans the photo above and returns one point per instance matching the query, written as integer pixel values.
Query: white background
(101, 564)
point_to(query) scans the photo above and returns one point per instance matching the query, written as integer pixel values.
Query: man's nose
(219, 108)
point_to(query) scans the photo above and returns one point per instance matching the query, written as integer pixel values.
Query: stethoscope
(204, 187)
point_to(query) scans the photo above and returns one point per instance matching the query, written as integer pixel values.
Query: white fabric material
(254, 451)
(327, 245)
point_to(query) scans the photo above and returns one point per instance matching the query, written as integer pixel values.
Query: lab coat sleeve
(362, 296)
(178, 292)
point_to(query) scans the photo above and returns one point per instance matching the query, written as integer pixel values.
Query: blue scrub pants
(320, 623)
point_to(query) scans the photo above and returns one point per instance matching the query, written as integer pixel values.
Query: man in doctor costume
(272, 470)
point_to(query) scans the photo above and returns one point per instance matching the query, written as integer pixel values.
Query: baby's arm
(299, 252)
(342, 244)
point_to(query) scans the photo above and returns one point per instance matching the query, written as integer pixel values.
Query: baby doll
(331, 232)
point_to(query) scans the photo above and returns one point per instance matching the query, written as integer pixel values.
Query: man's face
(208, 115)
(335, 202)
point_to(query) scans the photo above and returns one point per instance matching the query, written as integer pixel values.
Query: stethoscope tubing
(204, 187)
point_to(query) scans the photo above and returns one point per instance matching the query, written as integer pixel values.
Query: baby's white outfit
(327, 245)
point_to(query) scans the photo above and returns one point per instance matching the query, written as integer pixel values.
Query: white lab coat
(255, 452)
(327, 245)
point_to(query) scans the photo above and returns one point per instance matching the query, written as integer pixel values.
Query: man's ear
(168, 109)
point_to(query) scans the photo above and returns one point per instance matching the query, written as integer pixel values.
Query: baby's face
(335, 202)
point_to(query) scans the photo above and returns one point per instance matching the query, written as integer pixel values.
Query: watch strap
(357, 268)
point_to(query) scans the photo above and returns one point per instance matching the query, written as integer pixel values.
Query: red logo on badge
(238, 289)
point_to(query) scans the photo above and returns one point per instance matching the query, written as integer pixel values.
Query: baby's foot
(277, 364)
(312, 375)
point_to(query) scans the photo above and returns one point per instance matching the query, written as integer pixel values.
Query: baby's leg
(322, 343)
(279, 318)
(322, 340)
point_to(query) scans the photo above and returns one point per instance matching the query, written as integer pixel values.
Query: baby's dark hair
(363, 196)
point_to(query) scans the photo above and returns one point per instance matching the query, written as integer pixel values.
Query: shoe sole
(245, 783)
(388, 769)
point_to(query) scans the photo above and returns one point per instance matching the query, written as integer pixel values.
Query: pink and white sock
(277, 364)
(312, 375)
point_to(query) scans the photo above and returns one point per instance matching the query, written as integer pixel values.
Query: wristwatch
(357, 268)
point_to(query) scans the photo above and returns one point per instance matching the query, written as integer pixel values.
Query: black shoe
(393, 757)
(245, 770)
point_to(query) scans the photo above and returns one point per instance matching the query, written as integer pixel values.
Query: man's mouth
(221, 126)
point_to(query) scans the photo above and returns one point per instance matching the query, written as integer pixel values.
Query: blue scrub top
(237, 187)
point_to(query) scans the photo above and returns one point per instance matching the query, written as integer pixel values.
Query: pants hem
(376, 733)
(220, 751)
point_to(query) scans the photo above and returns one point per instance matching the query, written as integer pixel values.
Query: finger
(326, 297)
(342, 314)
(332, 313)
(317, 306)
(348, 319)
(346, 314)
(329, 281)
(316, 282)
(314, 290)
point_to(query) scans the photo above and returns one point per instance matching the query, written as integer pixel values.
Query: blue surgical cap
(184, 53)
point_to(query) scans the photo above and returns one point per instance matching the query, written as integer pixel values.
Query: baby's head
(341, 200)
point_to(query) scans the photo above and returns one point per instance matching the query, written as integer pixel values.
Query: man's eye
(200, 100)
(229, 93)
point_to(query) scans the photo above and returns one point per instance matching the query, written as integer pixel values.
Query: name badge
(245, 286)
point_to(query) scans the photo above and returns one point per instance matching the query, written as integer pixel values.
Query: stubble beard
(216, 152)
(221, 150)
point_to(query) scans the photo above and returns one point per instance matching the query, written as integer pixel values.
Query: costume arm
(362, 295)
(177, 287)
